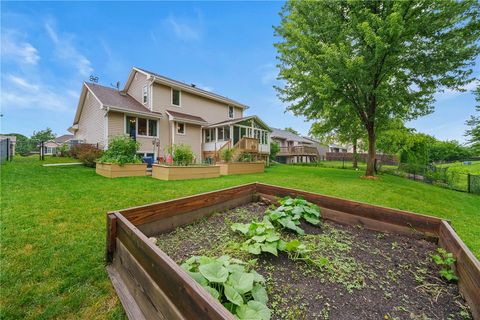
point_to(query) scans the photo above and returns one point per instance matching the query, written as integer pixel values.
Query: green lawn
(460, 167)
(53, 225)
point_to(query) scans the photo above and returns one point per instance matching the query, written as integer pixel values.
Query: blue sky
(48, 49)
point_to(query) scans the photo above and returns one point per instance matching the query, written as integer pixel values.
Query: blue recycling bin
(148, 161)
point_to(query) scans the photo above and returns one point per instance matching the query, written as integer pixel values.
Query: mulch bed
(374, 275)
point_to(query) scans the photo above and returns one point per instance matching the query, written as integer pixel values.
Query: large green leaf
(257, 277)
(242, 227)
(197, 276)
(242, 282)
(312, 220)
(254, 248)
(214, 272)
(253, 310)
(232, 295)
(260, 294)
(270, 247)
(212, 291)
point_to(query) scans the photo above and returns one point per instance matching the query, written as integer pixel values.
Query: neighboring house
(334, 148)
(50, 146)
(322, 149)
(7, 147)
(294, 148)
(159, 112)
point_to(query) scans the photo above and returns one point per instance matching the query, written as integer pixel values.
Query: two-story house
(159, 112)
(294, 148)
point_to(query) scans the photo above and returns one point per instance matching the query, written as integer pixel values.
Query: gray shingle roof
(63, 138)
(287, 135)
(184, 116)
(114, 98)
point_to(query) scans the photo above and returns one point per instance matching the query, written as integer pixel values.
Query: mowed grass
(460, 167)
(53, 225)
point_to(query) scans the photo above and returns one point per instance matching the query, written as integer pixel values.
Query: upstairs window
(176, 97)
(231, 112)
(180, 128)
(145, 94)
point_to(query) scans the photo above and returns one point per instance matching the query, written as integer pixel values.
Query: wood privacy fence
(348, 156)
(151, 285)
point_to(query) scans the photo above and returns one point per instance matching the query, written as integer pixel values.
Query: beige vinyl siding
(136, 87)
(210, 110)
(191, 138)
(116, 126)
(91, 125)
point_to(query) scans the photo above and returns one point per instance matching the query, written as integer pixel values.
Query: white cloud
(16, 48)
(185, 30)
(23, 93)
(66, 50)
(449, 93)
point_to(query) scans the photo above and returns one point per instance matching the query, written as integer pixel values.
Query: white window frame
(184, 128)
(179, 98)
(136, 126)
(233, 112)
(145, 95)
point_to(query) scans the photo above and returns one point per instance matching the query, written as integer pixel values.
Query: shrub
(88, 156)
(274, 149)
(182, 154)
(121, 150)
(227, 154)
(62, 150)
(246, 157)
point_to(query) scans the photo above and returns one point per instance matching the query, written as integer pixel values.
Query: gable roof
(63, 138)
(184, 86)
(237, 120)
(178, 116)
(111, 99)
(287, 135)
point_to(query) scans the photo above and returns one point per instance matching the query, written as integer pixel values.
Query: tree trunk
(371, 153)
(355, 155)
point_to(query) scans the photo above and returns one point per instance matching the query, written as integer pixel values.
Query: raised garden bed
(166, 172)
(386, 274)
(111, 170)
(227, 168)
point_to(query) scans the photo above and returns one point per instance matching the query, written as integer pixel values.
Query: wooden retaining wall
(151, 285)
(110, 170)
(163, 172)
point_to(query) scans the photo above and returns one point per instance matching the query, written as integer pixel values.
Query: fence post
(468, 182)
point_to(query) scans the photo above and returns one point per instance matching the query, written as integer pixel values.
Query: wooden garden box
(164, 172)
(227, 168)
(151, 285)
(111, 170)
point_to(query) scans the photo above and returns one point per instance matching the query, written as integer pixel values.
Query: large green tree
(383, 59)
(42, 135)
(473, 133)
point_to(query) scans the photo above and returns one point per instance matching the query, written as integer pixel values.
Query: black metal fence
(440, 176)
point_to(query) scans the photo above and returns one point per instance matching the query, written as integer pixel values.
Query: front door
(236, 134)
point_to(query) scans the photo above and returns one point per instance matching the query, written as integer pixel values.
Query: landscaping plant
(182, 154)
(121, 150)
(290, 211)
(86, 153)
(445, 260)
(261, 236)
(227, 154)
(232, 282)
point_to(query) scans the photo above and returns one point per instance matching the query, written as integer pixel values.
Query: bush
(182, 154)
(62, 150)
(246, 157)
(89, 156)
(274, 149)
(121, 150)
(227, 154)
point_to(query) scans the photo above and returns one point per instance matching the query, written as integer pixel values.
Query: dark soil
(374, 275)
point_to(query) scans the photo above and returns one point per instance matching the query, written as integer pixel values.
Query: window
(231, 112)
(152, 128)
(180, 128)
(131, 126)
(142, 127)
(176, 97)
(220, 131)
(209, 135)
(145, 94)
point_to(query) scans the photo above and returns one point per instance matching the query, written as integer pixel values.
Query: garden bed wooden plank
(467, 267)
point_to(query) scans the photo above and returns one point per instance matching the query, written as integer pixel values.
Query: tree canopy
(375, 61)
(473, 133)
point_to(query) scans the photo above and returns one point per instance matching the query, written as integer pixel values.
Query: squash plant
(290, 211)
(261, 236)
(232, 282)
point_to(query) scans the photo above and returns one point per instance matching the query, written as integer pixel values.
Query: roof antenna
(93, 79)
(116, 85)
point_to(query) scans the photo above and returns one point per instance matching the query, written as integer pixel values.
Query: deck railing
(297, 151)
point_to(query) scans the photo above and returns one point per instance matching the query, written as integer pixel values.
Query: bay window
(136, 126)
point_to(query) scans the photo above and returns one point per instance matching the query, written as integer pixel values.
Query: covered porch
(246, 135)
